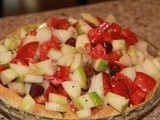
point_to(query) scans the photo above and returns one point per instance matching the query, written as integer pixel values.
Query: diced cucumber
(77, 61)
(133, 54)
(81, 42)
(79, 75)
(20, 69)
(45, 84)
(7, 76)
(56, 107)
(125, 60)
(90, 18)
(110, 18)
(62, 35)
(27, 104)
(73, 88)
(83, 113)
(150, 68)
(10, 43)
(66, 59)
(130, 72)
(20, 78)
(33, 78)
(97, 85)
(43, 35)
(57, 98)
(72, 20)
(27, 87)
(54, 54)
(5, 57)
(100, 64)
(3, 48)
(18, 87)
(88, 100)
(82, 27)
(68, 49)
(156, 62)
(29, 38)
(119, 44)
(120, 103)
(43, 67)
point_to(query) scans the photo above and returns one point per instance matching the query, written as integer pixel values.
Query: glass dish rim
(155, 100)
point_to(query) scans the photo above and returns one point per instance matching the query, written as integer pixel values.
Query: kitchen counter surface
(142, 16)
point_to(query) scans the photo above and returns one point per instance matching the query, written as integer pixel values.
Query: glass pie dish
(15, 114)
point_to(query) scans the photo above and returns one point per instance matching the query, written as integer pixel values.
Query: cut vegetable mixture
(79, 67)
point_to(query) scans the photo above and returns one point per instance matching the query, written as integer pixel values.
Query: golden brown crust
(12, 98)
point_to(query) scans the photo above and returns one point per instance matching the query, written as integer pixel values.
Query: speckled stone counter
(142, 16)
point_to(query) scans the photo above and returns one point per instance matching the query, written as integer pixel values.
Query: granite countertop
(142, 16)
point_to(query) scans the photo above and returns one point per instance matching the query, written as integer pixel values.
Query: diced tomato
(130, 38)
(44, 48)
(100, 19)
(2, 67)
(50, 89)
(94, 110)
(59, 24)
(56, 81)
(64, 24)
(119, 87)
(116, 31)
(144, 81)
(137, 97)
(72, 107)
(19, 61)
(63, 72)
(106, 83)
(26, 52)
(131, 86)
(98, 51)
(33, 32)
(62, 91)
(53, 22)
(113, 56)
(93, 36)
(99, 34)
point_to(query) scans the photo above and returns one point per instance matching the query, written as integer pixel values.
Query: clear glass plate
(15, 114)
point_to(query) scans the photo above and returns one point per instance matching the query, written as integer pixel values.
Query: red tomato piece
(62, 91)
(33, 32)
(131, 86)
(44, 48)
(19, 61)
(2, 68)
(72, 107)
(116, 31)
(56, 81)
(93, 36)
(59, 24)
(98, 51)
(26, 52)
(137, 97)
(130, 38)
(113, 56)
(144, 81)
(106, 83)
(50, 89)
(100, 19)
(119, 87)
(64, 24)
(63, 73)
(94, 110)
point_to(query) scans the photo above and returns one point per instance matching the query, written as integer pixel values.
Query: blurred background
(18, 7)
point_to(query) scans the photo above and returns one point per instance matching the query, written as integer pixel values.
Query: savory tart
(76, 68)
